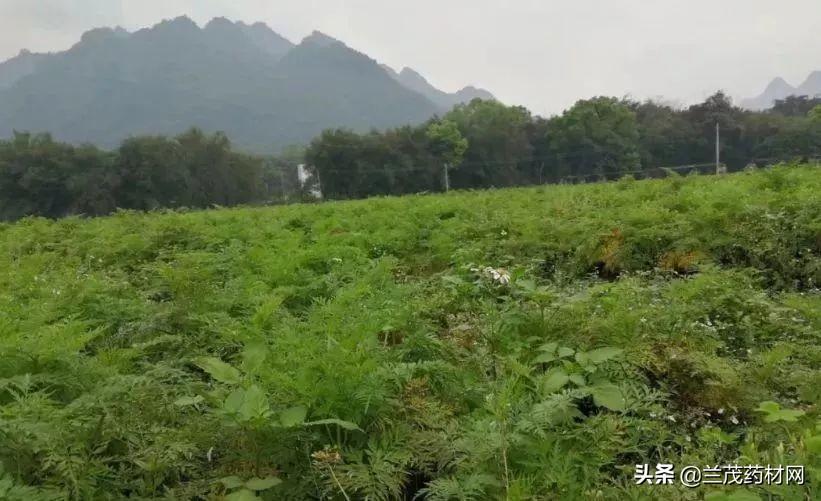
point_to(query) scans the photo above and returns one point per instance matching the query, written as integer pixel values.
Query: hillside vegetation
(516, 344)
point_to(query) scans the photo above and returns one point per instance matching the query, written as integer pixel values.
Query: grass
(516, 344)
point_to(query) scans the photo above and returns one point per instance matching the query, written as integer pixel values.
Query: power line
(436, 168)
(703, 169)
(557, 156)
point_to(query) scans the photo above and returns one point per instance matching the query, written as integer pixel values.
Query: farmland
(532, 343)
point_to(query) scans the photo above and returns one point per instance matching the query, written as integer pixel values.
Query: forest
(483, 144)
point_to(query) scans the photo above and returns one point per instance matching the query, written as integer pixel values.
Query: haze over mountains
(779, 89)
(262, 90)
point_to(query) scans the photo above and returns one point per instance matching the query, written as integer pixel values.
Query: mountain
(12, 70)
(412, 80)
(262, 90)
(266, 39)
(780, 89)
(811, 86)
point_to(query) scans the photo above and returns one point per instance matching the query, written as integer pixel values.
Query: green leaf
(255, 405)
(253, 356)
(787, 415)
(582, 358)
(186, 401)
(814, 444)
(549, 347)
(609, 396)
(553, 381)
(347, 425)
(577, 379)
(544, 358)
(261, 484)
(293, 416)
(715, 434)
(600, 355)
(557, 409)
(768, 406)
(233, 402)
(242, 495)
(775, 413)
(564, 352)
(219, 370)
(231, 482)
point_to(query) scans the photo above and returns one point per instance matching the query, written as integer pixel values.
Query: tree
(595, 137)
(153, 174)
(194, 169)
(447, 142)
(499, 150)
(703, 117)
(39, 176)
(795, 106)
(665, 136)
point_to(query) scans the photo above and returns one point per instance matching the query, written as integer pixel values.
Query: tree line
(40, 176)
(476, 145)
(485, 144)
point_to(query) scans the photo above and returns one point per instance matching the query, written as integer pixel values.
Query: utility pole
(447, 179)
(718, 150)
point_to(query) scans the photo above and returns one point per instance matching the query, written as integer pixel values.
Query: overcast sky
(544, 54)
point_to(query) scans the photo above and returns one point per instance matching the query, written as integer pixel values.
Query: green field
(532, 343)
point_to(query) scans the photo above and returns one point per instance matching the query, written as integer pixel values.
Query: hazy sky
(544, 54)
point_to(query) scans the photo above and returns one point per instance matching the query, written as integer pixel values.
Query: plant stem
(341, 489)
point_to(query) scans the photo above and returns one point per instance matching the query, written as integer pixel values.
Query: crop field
(517, 344)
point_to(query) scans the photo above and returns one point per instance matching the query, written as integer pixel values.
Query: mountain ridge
(19, 66)
(263, 90)
(411, 79)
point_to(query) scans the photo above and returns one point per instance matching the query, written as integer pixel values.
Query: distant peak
(183, 20)
(409, 71)
(178, 22)
(259, 25)
(26, 54)
(812, 85)
(410, 75)
(218, 22)
(778, 82)
(814, 76)
(778, 87)
(102, 34)
(320, 39)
